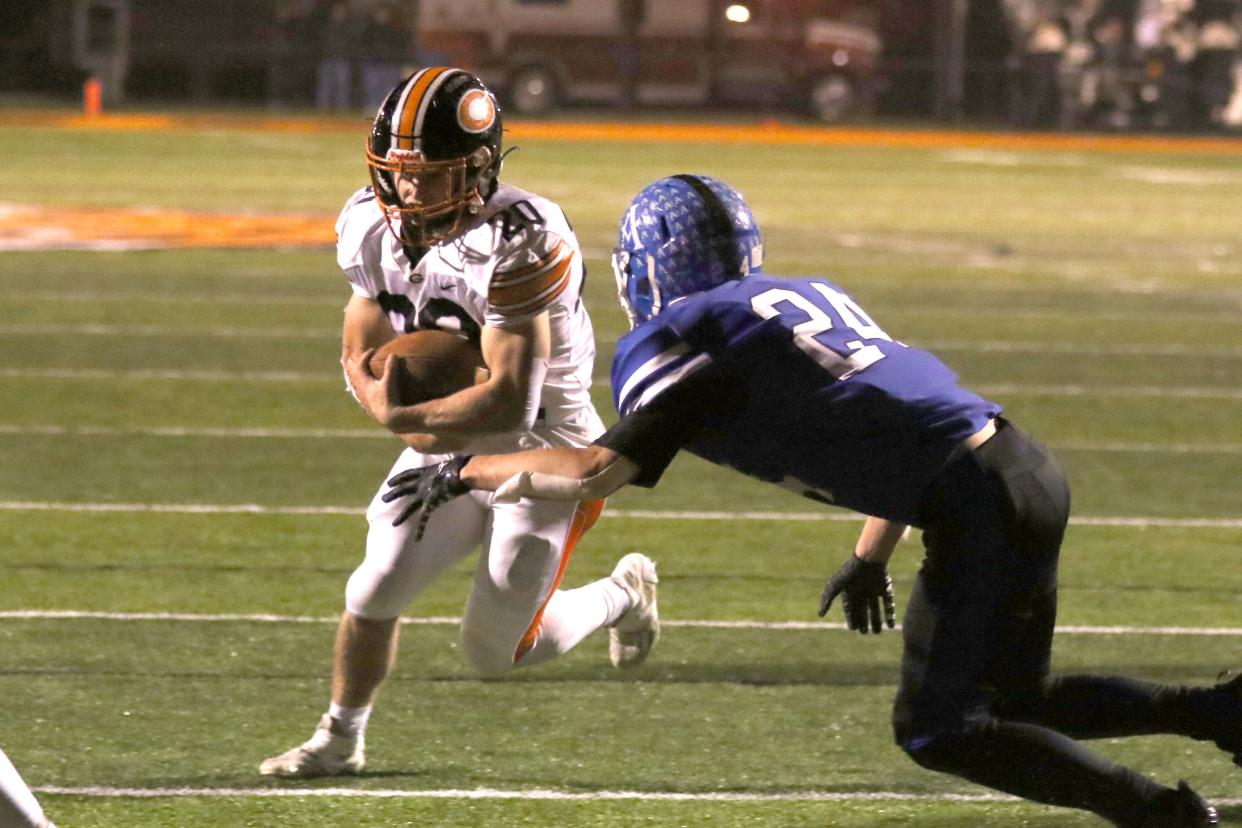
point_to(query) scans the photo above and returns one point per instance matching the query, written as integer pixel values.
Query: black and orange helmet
(434, 153)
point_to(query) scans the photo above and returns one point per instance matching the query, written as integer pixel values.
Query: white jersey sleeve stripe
(656, 363)
(656, 388)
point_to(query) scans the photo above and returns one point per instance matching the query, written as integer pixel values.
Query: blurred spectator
(1165, 39)
(1106, 88)
(290, 49)
(1040, 102)
(989, 48)
(631, 14)
(340, 44)
(1176, 64)
(1213, 66)
(386, 51)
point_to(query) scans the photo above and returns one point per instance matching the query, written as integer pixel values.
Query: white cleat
(324, 754)
(636, 632)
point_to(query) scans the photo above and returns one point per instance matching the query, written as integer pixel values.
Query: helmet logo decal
(406, 155)
(475, 111)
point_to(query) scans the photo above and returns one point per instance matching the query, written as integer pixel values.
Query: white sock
(573, 614)
(350, 721)
(18, 806)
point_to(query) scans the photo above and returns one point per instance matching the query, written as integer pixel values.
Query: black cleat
(1180, 808)
(1231, 740)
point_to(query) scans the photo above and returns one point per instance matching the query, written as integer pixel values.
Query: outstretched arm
(553, 474)
(863, 582)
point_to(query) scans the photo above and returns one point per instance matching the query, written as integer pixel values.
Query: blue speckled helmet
(682, 235)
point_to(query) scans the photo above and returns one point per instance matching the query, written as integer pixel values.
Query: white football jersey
(517, 258)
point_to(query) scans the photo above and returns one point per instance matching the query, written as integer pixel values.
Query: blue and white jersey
(791, 382)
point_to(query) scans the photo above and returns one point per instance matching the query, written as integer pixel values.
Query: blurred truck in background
(817, 57)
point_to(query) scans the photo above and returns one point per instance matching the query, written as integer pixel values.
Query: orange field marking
(770, 133)
(24, 227)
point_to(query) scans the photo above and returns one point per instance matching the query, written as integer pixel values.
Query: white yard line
(442, 620)
(129, 331)
(1139, 522)
(1118, 447)
(539, 794)
(110, 375)
(95, 297)
(185, 431)
(1078, 348)
(333, 374)
(970, 346)
(1181, 391)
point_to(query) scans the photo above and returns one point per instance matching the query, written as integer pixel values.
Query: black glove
(428, 488)
(862, 585)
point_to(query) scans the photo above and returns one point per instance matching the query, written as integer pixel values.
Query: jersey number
(818, 320)
(518, 217)
(438, 313)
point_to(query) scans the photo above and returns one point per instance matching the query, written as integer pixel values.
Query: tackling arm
(579, 474)
(551, 474)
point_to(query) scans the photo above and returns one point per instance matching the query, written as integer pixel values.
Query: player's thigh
(517, 572)
(398, 566)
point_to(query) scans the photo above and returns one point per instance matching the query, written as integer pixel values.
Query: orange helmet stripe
(410, 107)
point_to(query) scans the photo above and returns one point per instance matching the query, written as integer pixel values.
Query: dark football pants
(975, 697)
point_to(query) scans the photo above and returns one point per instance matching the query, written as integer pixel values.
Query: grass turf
(1067, 255)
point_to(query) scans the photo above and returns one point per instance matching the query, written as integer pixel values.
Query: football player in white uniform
(438, 242)
(18, 806)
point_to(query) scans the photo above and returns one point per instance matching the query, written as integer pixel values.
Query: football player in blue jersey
(791, 382)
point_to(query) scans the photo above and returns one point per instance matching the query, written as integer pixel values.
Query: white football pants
(515, 609)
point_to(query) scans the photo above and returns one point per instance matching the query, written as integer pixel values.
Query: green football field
(183, 481)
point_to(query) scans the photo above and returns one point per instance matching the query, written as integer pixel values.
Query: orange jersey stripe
(526, 270)
(535, 289)
(412, 102)
(585, 515)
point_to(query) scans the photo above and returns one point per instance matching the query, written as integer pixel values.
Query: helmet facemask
(426, 201)
(637, 289)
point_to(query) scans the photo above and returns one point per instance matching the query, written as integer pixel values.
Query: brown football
(432, 364)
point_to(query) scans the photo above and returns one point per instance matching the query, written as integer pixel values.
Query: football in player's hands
(431, 364)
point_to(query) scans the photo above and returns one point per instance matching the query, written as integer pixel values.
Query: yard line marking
(380, 434)
(98, 296)
(445, 620)
(1080, 348)
(1183, 391)
(169, 374)
(334, 300)
(187, 431)
(623, 514)
(545, 794)
(217, 332)
(985, 346)
(1011, 389)
(1151, 448)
